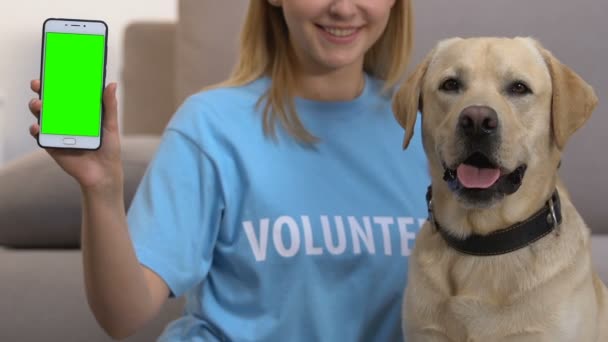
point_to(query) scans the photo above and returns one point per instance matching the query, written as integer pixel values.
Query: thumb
(110, 107)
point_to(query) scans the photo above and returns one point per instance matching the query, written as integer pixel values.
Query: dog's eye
(450, 85)
(519, 88)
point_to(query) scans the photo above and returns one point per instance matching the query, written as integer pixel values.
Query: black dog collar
(505, 240)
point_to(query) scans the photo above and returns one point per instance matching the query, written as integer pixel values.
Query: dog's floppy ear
(572, 102)
(408, 100)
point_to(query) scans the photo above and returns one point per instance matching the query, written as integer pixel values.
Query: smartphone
(72, 76)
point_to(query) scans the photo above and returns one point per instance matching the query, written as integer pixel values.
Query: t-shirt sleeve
(175, 214)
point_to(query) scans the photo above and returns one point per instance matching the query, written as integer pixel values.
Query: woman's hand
(93, 170)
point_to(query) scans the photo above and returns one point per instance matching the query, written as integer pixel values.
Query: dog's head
(496, 113)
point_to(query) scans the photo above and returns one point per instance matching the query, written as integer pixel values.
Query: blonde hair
(265, 51)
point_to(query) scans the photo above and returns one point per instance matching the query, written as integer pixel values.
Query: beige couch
(41, 290)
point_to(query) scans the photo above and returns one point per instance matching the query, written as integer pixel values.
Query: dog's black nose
(478, 121)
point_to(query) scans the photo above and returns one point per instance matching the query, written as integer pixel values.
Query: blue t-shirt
(274, 240)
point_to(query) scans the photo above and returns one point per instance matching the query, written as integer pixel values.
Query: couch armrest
(36, 184)
(148, 77)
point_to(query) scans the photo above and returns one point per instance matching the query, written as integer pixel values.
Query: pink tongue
(472, 177)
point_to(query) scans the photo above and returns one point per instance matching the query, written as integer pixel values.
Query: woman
(279, 202)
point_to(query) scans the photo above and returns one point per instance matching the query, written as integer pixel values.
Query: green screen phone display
(72, 84)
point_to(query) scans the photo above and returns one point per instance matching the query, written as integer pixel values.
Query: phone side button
(69, 141)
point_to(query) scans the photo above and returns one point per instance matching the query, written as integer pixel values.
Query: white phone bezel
(76, 27)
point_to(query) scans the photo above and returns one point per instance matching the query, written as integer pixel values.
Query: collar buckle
(552, 218)
(431, 215)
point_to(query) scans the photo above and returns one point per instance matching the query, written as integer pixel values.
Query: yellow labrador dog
(504, 255)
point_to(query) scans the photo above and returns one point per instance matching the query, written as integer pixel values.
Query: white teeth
(339, 32)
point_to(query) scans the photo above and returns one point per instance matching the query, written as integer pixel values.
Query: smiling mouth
(478, 174)
(339, 32)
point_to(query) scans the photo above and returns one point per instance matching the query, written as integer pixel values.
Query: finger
(110, 107)
(35, 105)
(34, 130)
(35, 85)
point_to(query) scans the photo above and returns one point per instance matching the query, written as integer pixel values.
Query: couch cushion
(40, 204)
(599, 255)
(148, 88)
(207, 42)
(43, 299)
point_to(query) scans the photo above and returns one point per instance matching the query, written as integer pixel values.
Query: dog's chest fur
(508, 296)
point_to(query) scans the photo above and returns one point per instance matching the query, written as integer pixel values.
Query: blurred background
(20, 43)
(161, 51)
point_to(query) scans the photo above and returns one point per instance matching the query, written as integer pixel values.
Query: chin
(338, 62)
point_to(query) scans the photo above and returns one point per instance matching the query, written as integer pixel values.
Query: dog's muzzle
(478, 177)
